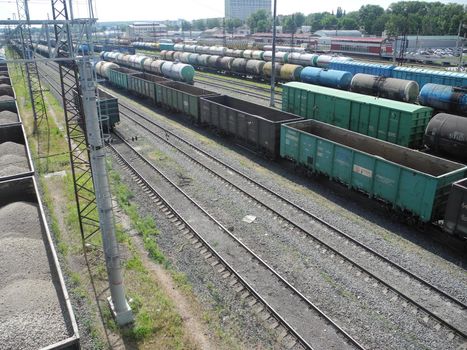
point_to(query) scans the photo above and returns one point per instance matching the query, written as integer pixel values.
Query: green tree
(329, 21)
(198, 24)
(314, 20)
(212, 23)
(339, 12)
(348, 23)
(186, 26)
(292, 22)
(367, 16)
(232, 23)
(259, 21)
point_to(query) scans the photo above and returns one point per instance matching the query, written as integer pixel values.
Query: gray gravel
(13, 158)
(4, 98)
(4, 79)
(436, 342)
(30, 315)
(29, 253)
(318, 277)
(30, 312)
(7, 117)
(24, 225)
(6, 89)
(235, 315)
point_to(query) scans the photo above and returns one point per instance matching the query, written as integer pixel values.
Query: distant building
(340, 33)
(242, 9)
(286, 39)
(147, 30)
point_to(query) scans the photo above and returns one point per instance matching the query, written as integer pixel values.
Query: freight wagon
(144, 85)
(172, 95)
(420, 75)
(397, 122)
(411, 181)
(107, 105)
(444, 98)
(15, 156)
(182, 98)
(446, 134)
(36, 309)
(258, 127)
(251, 124)
(176, 71)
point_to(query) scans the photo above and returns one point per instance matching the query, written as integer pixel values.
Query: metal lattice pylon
(77, 141)
(36, 95)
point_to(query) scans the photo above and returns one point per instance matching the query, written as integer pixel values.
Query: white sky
(133, 10)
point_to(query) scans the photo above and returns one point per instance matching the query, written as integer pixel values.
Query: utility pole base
(123, 317)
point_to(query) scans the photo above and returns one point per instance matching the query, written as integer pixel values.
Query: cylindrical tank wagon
(394, 89)
(444, 98)
(102, 68)
(174, 70)
(330, 78)
(447, 134)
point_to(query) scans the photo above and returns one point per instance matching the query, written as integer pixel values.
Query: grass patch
(155, 315)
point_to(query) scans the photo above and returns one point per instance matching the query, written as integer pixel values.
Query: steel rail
(255, 256)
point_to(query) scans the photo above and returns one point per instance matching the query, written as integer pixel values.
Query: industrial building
(242, 9)
(148, 30)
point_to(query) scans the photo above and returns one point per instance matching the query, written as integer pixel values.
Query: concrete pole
(459, 41)
(273, 73)
(117, 300)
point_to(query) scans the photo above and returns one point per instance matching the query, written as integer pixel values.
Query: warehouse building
(147, 30)
(242, 9)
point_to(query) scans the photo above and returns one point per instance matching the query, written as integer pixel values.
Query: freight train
(421, 76)
(176, 71)
(374, 81)
(451, 100)
(26, 242)
(341, 63)
(414, 183)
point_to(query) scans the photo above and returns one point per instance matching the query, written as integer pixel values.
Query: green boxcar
(108, 105)
(412, 181)
(144, 84)
(119, 77)
(181, 97)
(393, 121)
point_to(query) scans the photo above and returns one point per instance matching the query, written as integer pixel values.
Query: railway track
(247, 92)
(279, 304)
(448, 311)
(237, 82)
(250, 275)
(428, 299)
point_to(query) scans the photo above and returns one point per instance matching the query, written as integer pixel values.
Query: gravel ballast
(393, 240)
(31, 314)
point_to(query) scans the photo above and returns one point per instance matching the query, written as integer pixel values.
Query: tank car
(394, 89)
(444, 98)
(447, 134)
(326, 77)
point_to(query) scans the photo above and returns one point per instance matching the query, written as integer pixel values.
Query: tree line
(403, 17)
